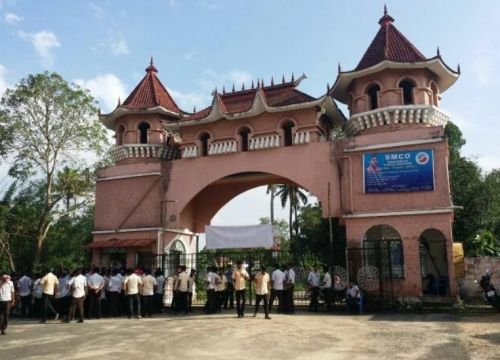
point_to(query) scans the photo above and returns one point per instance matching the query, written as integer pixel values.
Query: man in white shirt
(289, 307)
(64, 294)
(353, 297)
(212, 279)
(240, 276)
(131, 285)
(24, 287)
(262, 284)
(313, 281)
(6, 300)
(278, 281)
(50, 286)
(326, 286)
(77, 288)
(95, 285)
(147, 291)
(114, 291)
(160, 288)
(183, 285)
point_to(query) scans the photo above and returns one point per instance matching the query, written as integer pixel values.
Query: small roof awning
(120, 243)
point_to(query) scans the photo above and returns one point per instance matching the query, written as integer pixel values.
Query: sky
(202, 44)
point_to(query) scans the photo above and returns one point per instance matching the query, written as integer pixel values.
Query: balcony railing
(402, 114)
(158, 151)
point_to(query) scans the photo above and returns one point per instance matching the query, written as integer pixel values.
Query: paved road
(301, 336)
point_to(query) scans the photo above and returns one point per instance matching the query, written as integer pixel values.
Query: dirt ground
(223, 336)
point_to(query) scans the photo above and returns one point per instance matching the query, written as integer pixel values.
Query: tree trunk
(272, 206)
(290, 224)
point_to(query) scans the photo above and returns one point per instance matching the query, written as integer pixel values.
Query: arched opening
(407, 89)
(143, 132)
(288, 133)
(383, 249)
(372, 93)
(244, 132)
(204, 137)
(434, 263)
(119, 134)
(435, 94)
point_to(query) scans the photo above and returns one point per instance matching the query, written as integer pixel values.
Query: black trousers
(240, 302)
(289, 306)
(158, 302)
(313, 305)
(47, 305)
(26, 305)
(64, 304)
(190, 301)
(4, 314)
(276, 294)
(182, 301)
(147, 305)
(94, 300)
(134, 299)
(76, 303)
(114, 303)
(211, 305)
(258, 299)
(229, 297)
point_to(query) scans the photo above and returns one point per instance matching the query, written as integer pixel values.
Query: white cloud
(482, 67)
(239, 77)
(12, 18)
(190, 55)
(187, 101)
(118, 46)
(488, 163)
(173, 2)
(97, 10)
(44, 42)
(3, 81)
(212, 79)
(106, 88)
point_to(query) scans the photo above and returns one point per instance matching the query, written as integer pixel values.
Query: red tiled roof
(241, 101)
(149, 93)
(389, 44)
(120, 243)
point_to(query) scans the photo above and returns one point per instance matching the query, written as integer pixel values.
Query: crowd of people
(72, 297)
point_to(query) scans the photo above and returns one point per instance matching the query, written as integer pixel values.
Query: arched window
(435, 94)
(372, 93)
(383, 249)
(204, 143)
(143, 132)
(407, 87)
(288, 133)
(244, 138)
(120, 132)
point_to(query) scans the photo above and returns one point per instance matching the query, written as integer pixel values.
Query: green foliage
(486, 244)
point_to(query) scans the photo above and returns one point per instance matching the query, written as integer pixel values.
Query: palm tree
(295, 195)
(271, 189)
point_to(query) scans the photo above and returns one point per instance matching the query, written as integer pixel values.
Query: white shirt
(290, 277)
(78, 284)
(327, 280)
(95, 281)
(63, 286)
(38, 289)
(211, 277)
(278, 278)
(354, 291)
(160, 284)
(131, 284)
(148, 285)
(25, 284)
(313, 278)
(6, 290)
(115, 284)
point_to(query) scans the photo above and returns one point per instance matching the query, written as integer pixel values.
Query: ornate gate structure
(387, 178)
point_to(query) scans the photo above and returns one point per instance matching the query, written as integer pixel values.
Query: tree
(271, 189)
(486, 244)
(50, 122)
(295, 196)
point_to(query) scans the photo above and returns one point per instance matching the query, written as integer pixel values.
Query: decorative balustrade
(302, 137)
(264, 142)
(224, 147)
(190, 151)
(403, 114)
(158, 151)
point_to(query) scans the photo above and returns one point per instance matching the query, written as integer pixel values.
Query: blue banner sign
(399, 171)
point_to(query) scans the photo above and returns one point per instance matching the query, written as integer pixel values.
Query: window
(143, 132)
(120, 132)
(383, 249)
(204, 143)
(288, 133)
(372, 93)
(407, 87)
(435, 94)
(244, 138)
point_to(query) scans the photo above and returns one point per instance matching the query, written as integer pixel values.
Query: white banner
(237, 237)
